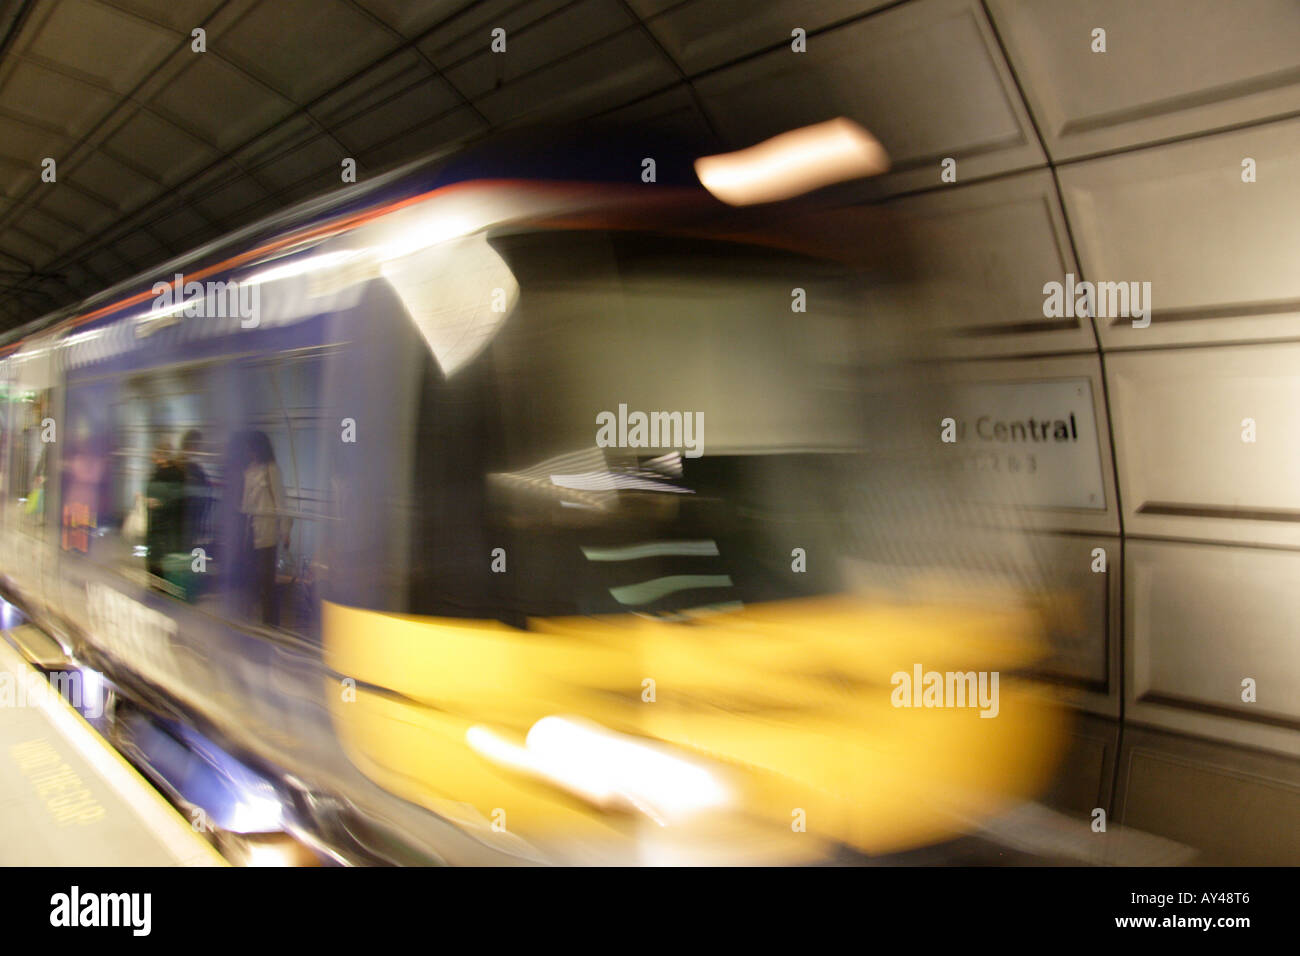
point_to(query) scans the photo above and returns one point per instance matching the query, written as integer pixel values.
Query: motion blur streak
(541, 520)
(612, 771)
(793, 163)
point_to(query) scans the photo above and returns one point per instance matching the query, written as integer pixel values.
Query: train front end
(647, 550)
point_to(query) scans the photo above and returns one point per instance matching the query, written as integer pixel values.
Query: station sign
(1034, 444)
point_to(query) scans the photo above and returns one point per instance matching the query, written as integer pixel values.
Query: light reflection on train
(572, 513)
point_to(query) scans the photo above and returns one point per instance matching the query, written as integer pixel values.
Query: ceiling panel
(106, 262)
(986, 250)
(112, 181)
(302, 47)
(410, 19)
(421, 102)
(52, 229)
(16, 176)
(621, 68)
(25, 146)
(311, 159)
(382, 82)
(703, 34)
(674, 111)
(25, 247)
(1219, 253)
(1184, 469)
(1171, 67)
(446, 44)
(115, 48)
(421, 140)
(73, 204)
(140, 249)
(179, 15)
(158, 148)
(177, 226)
(218, 103)
(54, 100)
(948, 92)
(475, 70)
(280, 139)
(231, 199)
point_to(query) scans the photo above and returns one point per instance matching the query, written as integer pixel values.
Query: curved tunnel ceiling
(159, 148)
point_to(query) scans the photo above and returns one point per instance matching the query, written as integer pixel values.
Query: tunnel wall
(1123, 165)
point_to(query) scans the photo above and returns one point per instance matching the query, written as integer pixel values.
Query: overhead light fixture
(793, 163)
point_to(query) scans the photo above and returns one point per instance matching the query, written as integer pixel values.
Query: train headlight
(607, 769)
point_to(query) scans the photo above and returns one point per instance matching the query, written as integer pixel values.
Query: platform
(68, 799)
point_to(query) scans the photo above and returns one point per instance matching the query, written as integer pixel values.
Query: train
(522, 508)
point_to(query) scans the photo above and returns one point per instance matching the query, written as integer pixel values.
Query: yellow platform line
(155, 813)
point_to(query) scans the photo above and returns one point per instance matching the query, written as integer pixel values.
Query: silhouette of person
(263, 504)
(164, 493)
(196, 496)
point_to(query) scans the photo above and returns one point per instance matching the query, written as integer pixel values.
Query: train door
(32, 426)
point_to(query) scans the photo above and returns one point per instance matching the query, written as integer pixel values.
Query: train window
(652, 430)
(31, 436)
(7, 482)
(278, 490)
(209, 489)
(151, 498)
(86, 500)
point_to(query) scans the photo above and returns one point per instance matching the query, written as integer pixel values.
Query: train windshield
(661, 425)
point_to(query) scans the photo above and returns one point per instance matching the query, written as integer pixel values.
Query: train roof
(596, 154)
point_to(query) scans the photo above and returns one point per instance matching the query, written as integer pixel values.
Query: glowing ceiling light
(793, 163)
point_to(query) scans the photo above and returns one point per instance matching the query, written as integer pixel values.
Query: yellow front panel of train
(780, 722)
